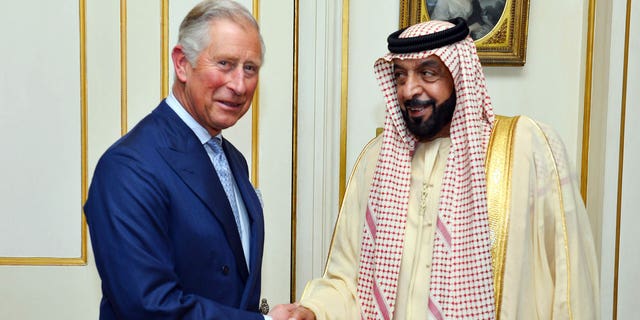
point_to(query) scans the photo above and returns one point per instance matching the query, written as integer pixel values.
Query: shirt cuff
(266, 317)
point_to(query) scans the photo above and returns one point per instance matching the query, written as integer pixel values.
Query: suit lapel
(249, 196)
(188, 158)
(254, 211)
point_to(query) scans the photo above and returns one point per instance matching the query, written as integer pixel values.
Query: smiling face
(426, 96)
(217, 90)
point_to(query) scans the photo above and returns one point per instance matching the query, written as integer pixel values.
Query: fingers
(302, 313)
(282, 311)
(292, 311)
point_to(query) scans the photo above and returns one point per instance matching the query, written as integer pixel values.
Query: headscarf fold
(461, 278)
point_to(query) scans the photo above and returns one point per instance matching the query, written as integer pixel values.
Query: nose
(411, 88)
(236, 82)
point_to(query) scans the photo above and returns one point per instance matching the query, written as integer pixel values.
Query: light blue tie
(224, 173)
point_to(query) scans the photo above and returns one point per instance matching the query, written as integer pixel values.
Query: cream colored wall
(629, 259)
(621, 172)
(318, 131)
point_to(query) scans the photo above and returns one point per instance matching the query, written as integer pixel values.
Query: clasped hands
(292, 311)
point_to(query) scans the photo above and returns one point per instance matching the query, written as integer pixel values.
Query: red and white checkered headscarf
(461, 279)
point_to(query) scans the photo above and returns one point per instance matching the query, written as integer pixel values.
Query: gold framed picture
(498, 27)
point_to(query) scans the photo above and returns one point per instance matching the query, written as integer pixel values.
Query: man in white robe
(455, 214)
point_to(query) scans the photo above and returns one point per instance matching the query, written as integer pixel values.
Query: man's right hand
(302, 313)
(282, 311)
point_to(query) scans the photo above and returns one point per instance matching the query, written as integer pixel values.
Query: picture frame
(500, 35)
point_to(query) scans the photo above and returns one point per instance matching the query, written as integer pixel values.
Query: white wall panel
(610, 164)
(103, 77)
(370, 22)
(549, 86)
(40, 131)
(41, 114)
(620, 262)
(275, 146)
(629, 263)
(143, 59)
(319, 104)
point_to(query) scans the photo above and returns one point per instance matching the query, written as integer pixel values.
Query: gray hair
(194, 29)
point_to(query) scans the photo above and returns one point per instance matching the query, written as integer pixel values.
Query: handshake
(292, 311)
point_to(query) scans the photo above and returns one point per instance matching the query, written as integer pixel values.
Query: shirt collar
(202, 133)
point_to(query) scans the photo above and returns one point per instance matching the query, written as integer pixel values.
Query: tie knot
(216, 144)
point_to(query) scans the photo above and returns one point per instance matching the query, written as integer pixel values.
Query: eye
(430, 75)
(399, 76)
(224, 64)
(250, 69)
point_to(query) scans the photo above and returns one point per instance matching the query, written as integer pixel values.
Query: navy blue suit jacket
(164, 237)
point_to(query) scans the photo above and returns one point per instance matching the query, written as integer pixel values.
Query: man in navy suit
(177, 231)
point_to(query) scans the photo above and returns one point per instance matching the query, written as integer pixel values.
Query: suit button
(225, 270)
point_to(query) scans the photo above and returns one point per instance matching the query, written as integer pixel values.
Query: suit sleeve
(127, 211)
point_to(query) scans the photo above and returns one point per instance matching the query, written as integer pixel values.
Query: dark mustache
(419, 103)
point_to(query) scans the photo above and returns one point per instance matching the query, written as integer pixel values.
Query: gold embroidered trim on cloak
(498, 168)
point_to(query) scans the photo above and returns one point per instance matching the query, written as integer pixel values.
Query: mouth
(417, 111)
(231, 104)
(418, 108)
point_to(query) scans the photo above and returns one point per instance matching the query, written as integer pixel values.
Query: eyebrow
(427, 63)
(430, 63)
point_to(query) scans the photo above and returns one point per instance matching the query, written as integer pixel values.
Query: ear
(180, 63)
